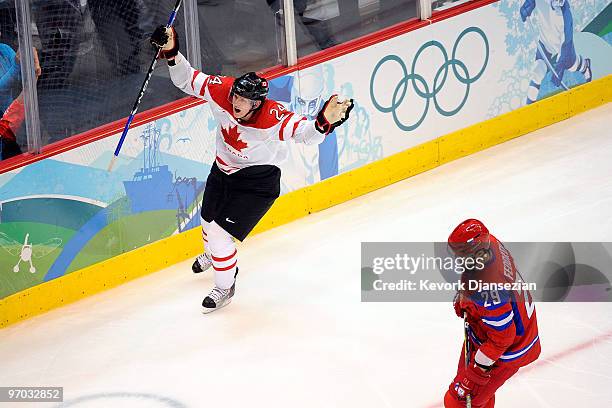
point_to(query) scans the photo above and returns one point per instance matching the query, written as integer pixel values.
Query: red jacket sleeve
(493, 325)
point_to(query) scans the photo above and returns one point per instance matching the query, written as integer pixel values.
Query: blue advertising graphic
(556, 44)
(409, 89)
(348, 146)
(78, 215)
(416, 83)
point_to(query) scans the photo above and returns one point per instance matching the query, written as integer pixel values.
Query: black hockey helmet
(250, 86)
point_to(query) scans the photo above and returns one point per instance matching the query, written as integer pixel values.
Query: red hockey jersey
(503, 327)
(240, 144)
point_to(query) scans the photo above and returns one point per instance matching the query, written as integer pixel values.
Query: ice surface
(297, 335)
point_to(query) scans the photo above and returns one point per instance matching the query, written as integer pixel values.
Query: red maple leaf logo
(231, 137)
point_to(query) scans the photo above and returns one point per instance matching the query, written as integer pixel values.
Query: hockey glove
(474, 378)
(462, 304)
(333, 114)
(567, 58)
(167, 40)
(457, 305)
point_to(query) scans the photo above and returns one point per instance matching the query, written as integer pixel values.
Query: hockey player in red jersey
(244, 180)
(502, 328)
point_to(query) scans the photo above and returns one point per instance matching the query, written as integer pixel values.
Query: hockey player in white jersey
(251, 141)
(556, 50)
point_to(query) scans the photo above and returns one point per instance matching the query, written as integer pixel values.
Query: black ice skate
(202, 263)
(218, 298)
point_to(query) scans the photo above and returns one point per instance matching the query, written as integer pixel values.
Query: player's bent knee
(219, 240)
(205, 225)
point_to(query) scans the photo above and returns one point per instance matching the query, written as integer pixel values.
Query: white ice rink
(297, 335)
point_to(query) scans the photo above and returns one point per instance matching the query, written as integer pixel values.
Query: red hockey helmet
(468, 238)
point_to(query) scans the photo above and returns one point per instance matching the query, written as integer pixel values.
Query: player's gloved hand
(463, 304)
(567, 58)
(527, 9)
(333, 114)
(166, 39)
(457, 305)
(473, 380)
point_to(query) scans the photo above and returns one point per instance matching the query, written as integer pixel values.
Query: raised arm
(182, 74)
(333, 114)
(186, 78)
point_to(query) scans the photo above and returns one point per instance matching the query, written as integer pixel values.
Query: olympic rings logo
(420, 85)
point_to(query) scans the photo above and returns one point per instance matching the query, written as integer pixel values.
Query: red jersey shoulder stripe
(220, 93)
(268, 116)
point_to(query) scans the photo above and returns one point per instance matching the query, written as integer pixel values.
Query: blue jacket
(10, 77)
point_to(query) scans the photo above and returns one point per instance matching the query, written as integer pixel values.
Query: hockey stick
(143, 88)
(466, 356)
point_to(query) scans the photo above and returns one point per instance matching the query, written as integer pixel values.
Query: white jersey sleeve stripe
(498, 323)
(482, 359)
(517, 354)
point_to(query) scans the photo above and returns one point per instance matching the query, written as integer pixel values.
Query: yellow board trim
(297, 204)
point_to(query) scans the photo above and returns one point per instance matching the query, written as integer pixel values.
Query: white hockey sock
(224, 255)
(224, 279)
